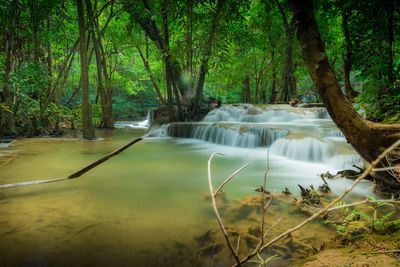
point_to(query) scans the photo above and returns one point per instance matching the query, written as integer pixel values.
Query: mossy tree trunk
(87, 122)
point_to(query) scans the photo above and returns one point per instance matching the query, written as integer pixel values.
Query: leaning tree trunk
(368, 139)
(87, 122)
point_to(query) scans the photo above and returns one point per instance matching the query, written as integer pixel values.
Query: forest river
(148, 205)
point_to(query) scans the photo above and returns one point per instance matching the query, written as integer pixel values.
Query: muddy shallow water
(144, 207)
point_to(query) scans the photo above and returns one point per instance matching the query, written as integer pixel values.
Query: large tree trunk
(287, 91)
(7, 95)
(87, 122)
(368, 139)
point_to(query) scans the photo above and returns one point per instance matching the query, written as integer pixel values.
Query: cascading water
(300, 134)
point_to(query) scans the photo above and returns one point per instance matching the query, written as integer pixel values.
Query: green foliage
(246, 37)
(263, 262)
(353, 221)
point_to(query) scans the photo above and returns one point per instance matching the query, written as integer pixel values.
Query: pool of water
(145, 207)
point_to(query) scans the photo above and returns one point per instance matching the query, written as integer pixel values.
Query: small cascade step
(305, 149)
(250, 137)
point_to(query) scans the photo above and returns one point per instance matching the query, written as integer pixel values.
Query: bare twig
(238, 244)
(77, 173)
(272, 226)
(230, 177)
(319, 213)
(386, 169)
(264, 207)
(221, 225)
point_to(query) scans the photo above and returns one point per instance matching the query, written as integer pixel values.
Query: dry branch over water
(79, 172)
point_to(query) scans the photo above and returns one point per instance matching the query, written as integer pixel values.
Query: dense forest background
(65, 64)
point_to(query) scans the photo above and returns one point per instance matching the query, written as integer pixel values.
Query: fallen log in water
(79, 172)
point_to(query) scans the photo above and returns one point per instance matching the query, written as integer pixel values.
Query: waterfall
(322, 113)
(301, 134)
(250, 137)
(248, 113)
(305, 149)
(335, 133)
(345, 161)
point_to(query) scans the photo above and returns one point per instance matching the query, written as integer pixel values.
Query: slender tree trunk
(189, 50)
(369, 139)
(168, 66)
(272, 97)
(7, 94)
(49, 61)
(207, 54)
(390, 41)
(34, 21)
(287, 91)
(107, 117)
(87, 122)
(153, 80)
(263, 94)
(348, 89)
(246, 89)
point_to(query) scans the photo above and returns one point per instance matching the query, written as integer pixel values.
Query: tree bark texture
(368, 139)
(87, 122)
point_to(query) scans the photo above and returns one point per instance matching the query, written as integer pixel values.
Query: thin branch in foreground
(77, 173)
(264, 207)
(365, 201)
(238, 244)
(319, 213)
(229, 178)
(221, 225)
(386, 169)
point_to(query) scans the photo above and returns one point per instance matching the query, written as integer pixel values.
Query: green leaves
(263, 262)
